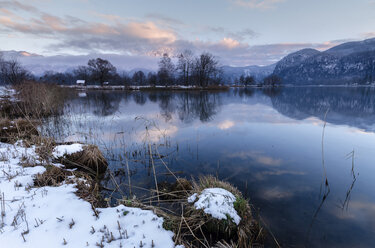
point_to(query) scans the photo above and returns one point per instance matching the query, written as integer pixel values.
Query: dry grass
(212, 182)
(44, 147)
(88, 188)
(90, 160)
(194, 228)
(18, 129)
(53, 176)
(223, 244)
(39, 100)
(247, 234)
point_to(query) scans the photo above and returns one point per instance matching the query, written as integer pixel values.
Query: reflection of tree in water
(242, 92)
(206, 105)
(153, 97)
(203, 105)
(271, 91)
(350, 106)
(139, 98)
(104, 104)
(167, 105)
(166, 101)
(188, 105)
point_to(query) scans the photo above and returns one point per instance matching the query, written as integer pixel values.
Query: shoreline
(50, 197)
(213, 88)
(146, 88)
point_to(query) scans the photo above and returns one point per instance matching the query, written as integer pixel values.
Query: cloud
(230, 43)
(153, 36)
(368, 35)
(164, 20)
(257, 4)
(16, 5)
(73, 33)
(240, 35)
(112, 18)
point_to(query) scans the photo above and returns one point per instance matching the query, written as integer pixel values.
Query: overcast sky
(239, 32)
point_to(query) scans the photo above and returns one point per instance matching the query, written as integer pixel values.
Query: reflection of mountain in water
(347, 106)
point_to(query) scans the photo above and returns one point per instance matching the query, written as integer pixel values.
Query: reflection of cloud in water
(276, 193)
(357, 210)
(259, 113)
(226, 124)
(262, 175)
(259, 157)
(155, 135)
(279, 193)
(314, 121)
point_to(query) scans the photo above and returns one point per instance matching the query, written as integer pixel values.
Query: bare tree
(206, 69)
(246, 80)
(139, 78)
(272, 80)
(184, 65)
(101, 69)
(12, 72)
(152, 79)
(82, 72)
(166, 70)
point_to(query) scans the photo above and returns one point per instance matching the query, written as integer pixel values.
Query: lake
(310, 189)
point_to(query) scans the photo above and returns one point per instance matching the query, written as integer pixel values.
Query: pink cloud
(229, 43)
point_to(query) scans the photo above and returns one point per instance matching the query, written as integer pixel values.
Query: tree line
(186, 69)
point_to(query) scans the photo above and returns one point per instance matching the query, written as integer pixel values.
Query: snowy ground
(56, 217)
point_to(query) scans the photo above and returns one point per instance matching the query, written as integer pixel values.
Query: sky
(238, 32)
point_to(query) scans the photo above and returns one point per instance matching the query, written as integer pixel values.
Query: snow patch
(55, 217)
(62, 150)
(217, 202)
(7, 92)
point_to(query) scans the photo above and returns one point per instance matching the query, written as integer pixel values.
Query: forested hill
(352, 62)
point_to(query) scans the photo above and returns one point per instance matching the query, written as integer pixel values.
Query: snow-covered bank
(55, 216)
(143, 87)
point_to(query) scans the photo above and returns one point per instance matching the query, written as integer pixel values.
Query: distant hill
(230, 74)
(352, 62)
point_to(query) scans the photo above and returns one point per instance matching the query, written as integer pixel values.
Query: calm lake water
(268, 143)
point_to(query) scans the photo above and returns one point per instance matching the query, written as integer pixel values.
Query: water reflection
(348, 106)
(268, 142)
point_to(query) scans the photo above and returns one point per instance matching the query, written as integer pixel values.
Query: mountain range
(352, 62)
(348, 63)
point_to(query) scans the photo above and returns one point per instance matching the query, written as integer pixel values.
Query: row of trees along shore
(186, 69)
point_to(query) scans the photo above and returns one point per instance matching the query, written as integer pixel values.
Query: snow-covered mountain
(352, 62)
(230, 74)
